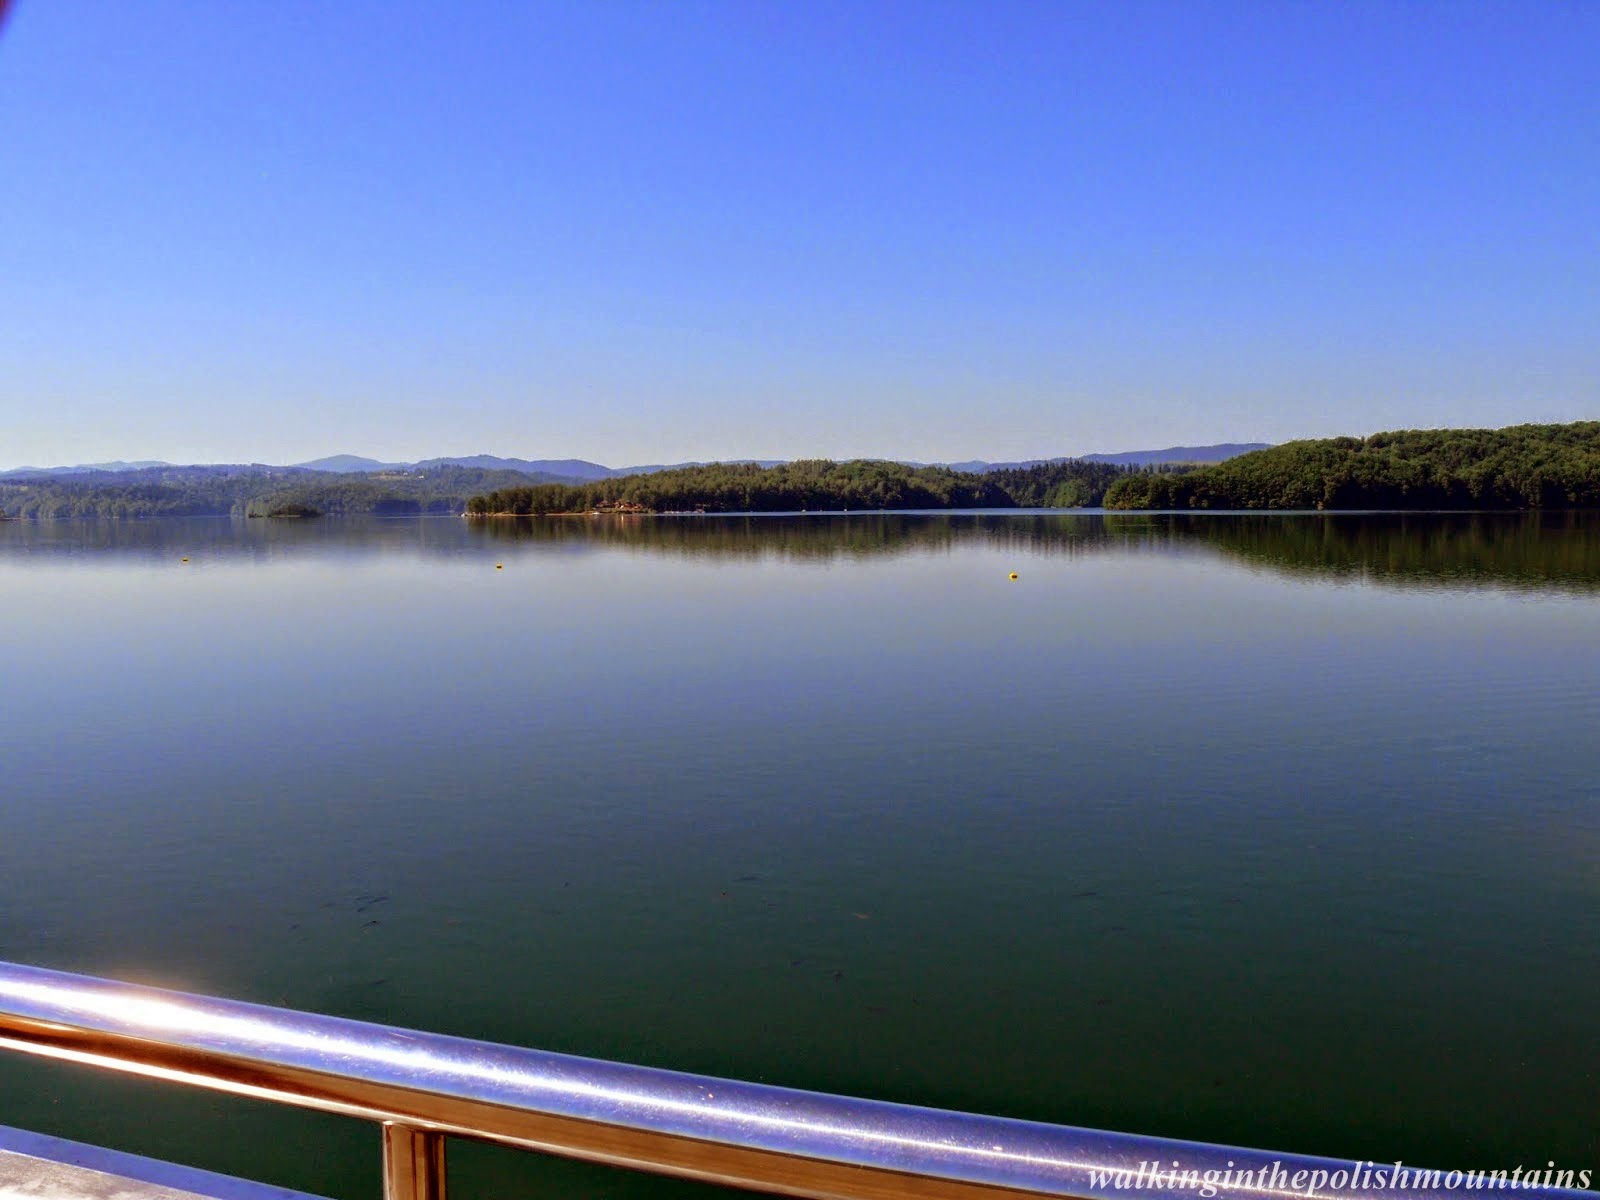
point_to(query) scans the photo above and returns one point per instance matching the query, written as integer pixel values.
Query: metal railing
(424, 1087)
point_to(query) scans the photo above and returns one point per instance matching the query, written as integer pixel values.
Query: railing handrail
(423, 1086)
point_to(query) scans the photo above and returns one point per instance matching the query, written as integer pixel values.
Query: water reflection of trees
(1552, 550)
(227, 540)
(812, 537)
(1539, 551)
(1559, 550)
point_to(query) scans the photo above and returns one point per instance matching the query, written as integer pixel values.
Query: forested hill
(254, 490)
(814, 485)
(1524, 466)
(249, 490)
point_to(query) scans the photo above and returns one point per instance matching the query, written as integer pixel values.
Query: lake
(1262, 829)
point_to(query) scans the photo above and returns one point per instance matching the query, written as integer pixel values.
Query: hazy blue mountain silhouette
(582, 470)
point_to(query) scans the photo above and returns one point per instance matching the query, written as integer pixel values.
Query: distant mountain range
(582, 470)
(1127, 458)
(353, 464)
(1221, 452)
(86, 468)
(570, 468)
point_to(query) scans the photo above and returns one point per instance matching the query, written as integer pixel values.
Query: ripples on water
(1260, 829)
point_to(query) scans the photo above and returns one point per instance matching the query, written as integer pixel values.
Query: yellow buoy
(499, 566)
(1013, 574)
(186, 560)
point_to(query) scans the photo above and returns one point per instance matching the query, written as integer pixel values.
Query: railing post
(413, 1163)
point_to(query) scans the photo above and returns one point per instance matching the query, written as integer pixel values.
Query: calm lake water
(1272, 830)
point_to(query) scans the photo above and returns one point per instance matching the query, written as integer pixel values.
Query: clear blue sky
(642, 232)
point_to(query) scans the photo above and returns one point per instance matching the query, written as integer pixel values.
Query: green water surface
(1271, 830)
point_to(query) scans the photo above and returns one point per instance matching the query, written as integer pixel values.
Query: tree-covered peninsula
(1524, 466)
(812, 485)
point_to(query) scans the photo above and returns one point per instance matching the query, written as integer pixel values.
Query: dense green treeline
(248, 491)
(738, 487)
(1524, 466)
(811, 485)
(439, 491)
(154, 492)
(1068, 484)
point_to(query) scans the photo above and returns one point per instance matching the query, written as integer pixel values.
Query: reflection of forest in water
(1533, 550)
(816, 537)
(1554, 551)
(225, 540)
(1551, 550)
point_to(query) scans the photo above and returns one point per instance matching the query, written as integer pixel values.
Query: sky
(650, 232)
